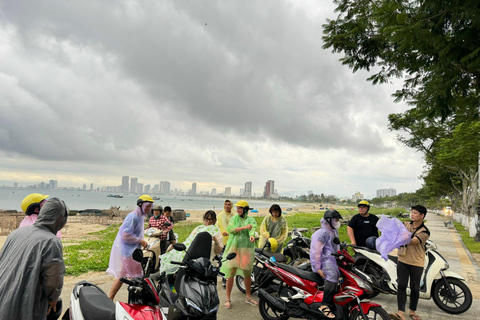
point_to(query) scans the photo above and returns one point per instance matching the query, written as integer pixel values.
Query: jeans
(329, 290)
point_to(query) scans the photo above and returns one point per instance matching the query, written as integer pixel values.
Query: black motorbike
(297, 250)
(195, 295)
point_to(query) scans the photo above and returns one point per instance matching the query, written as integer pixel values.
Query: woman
(274, 226)
(209, 220)
(31, 205)
(241, 229)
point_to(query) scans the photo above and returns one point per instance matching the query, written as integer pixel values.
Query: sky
(213, 92)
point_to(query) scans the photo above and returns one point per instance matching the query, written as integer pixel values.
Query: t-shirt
(363, 227)
(416, 252)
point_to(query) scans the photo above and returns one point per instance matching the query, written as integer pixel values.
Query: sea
(10, 199)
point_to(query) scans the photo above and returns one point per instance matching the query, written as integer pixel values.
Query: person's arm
(253, 223)
(263, 228)
(128, 234)
(421, 237)
(351, 236)
(53, 270)
(218, 242)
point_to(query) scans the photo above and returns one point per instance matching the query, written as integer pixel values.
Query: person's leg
(402, 276)
(228, 289)
(117, 284)
(329, 290)
(163, 246)
(415, 277)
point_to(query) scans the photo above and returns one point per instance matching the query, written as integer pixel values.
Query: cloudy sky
(213, 92)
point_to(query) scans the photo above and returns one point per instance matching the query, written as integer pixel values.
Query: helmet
(30, 202)
(272, 243)
(144, 198)
(241, 203)
(364, 203)
(157, 207)
(331, 214)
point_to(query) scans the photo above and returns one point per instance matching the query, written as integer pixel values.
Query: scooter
(151, 254)
(447, 288)
(196, 295)
(301, 293)
(297, 250)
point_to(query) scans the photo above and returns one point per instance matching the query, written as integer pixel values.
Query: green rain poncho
(275, 228)
(240, 243)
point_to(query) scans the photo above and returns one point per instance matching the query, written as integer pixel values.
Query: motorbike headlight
(194, 308)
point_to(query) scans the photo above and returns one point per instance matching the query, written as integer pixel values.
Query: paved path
(449, 245)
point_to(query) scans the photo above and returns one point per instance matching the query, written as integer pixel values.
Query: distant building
(53, 184)
(228, 191)
(164, 187)
(147, 188)
(357, 196)
(84, 187)
(214, 192)
(269, 188)
(156, 188)
(194, 188)
(139, 188)
(248, 189)
(125, 183)
(91, 186)
(391, 192)
(242, 192)
(133, 185)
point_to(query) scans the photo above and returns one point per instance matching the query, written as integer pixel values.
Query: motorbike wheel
(267, 312)
(372, 272)
(375, 313)
(241, 284)
(459, 302)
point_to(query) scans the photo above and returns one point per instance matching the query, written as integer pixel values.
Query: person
(167, 211)
(158, 221)
(129, 237)
(224, 218)
(322, 260)
(31, 205)
(274, 226)
(209, 220)
(241, 229)
(32, 267)
(362, 226)
(410, 264)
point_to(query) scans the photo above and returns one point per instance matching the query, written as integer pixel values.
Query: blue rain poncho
(394, 235)
(321, 251)
(31, 265)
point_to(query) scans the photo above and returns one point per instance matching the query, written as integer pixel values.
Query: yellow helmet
(273, 244)
(364, 203)
(144, 198)
(242, 203)
(30, 202)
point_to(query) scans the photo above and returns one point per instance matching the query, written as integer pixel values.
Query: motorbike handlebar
(179, 263)
(129, 282)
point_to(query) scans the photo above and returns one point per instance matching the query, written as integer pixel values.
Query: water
(11, 198)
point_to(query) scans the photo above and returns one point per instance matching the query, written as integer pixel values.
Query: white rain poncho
(128, 239)
(394, 235)
(31, 265)
(321, 251)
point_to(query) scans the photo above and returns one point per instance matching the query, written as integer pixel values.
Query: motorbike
(151, 254)
(447, 288)
(301, 292)
(195, 295)
(297, 250)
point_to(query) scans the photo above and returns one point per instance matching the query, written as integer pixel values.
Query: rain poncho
(127, 240)
(240, 243)
(394, 235)
(29, 220)
(31, 265)
(223, 219)
(174, 255)
(321, 251)
(276, 228)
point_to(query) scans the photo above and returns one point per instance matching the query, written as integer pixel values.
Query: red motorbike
(300, 293)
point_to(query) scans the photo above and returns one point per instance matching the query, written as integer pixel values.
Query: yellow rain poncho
(275, 228)
(223, 219)
(240, 243)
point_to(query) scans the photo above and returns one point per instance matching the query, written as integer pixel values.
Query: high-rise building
(228, 191)
(147, 188)
(248, 189)
(133, 185)
(156, 188)
(214, 192)
(53, 184)
(194, 188)
(164, 187)
(391, 192)
(242, 192)
(91, 186)
(139, 188)
(125, 183)
(269, 188)
(357, 196)
(84, 187)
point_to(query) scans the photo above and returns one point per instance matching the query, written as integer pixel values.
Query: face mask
(337, 225)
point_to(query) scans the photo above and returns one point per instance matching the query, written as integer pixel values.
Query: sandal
(228, 304)
(251, 301)
(395, 316)
(415, 317)
(325, 310)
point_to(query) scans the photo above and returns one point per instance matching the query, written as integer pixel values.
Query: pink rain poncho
(30, 220)
(321, 251)
(394, 235)
(127, 240)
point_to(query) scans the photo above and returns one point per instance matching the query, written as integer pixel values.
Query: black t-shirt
(363, 228)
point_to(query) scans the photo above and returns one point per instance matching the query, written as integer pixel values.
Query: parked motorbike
(301, 292)
(195, 295)
(447, 288)
(297, 250)
(151, 254)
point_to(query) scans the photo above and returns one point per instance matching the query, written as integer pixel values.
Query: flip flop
(395, 316)
(327, 312)
(229, 306)
(251, 301)
(415, 317)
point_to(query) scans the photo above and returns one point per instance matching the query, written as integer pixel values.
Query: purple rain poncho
(394, 235)
(128, 239)
(321, 251)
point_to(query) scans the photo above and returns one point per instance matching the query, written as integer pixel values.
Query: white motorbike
(447, 288)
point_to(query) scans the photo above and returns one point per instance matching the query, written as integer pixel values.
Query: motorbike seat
(278, 256)
(95, 305)
(308, 275)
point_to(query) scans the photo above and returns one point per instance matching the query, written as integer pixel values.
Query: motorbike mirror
(179, 247)
(167, 224)
(137, 255)
(336, 240)
(231, 255)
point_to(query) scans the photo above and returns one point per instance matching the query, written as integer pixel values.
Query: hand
(143, 243)
(249, 227)
(224, 234)
(52, 305)
(252, 239)
(320, 272)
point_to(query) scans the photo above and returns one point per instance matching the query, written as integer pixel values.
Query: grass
(472, 246)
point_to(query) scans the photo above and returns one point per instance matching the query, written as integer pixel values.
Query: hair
(227, 201)
(420, 209)
(210, 215)
(275, 207)
(167, 208)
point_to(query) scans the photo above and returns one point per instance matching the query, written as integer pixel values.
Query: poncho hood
(53, 215)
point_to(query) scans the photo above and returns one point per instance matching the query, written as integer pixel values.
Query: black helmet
(331, 214)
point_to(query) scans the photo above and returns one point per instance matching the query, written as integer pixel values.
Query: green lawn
(473, 247)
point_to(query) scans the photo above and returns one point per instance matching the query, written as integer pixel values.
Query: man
(168, 213)
(363, 226)
(223, 219)
(158, 221)
(32, 267)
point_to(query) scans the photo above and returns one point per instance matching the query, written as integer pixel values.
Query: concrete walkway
(449, 245)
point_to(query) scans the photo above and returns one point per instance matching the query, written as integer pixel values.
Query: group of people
(362, 231)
